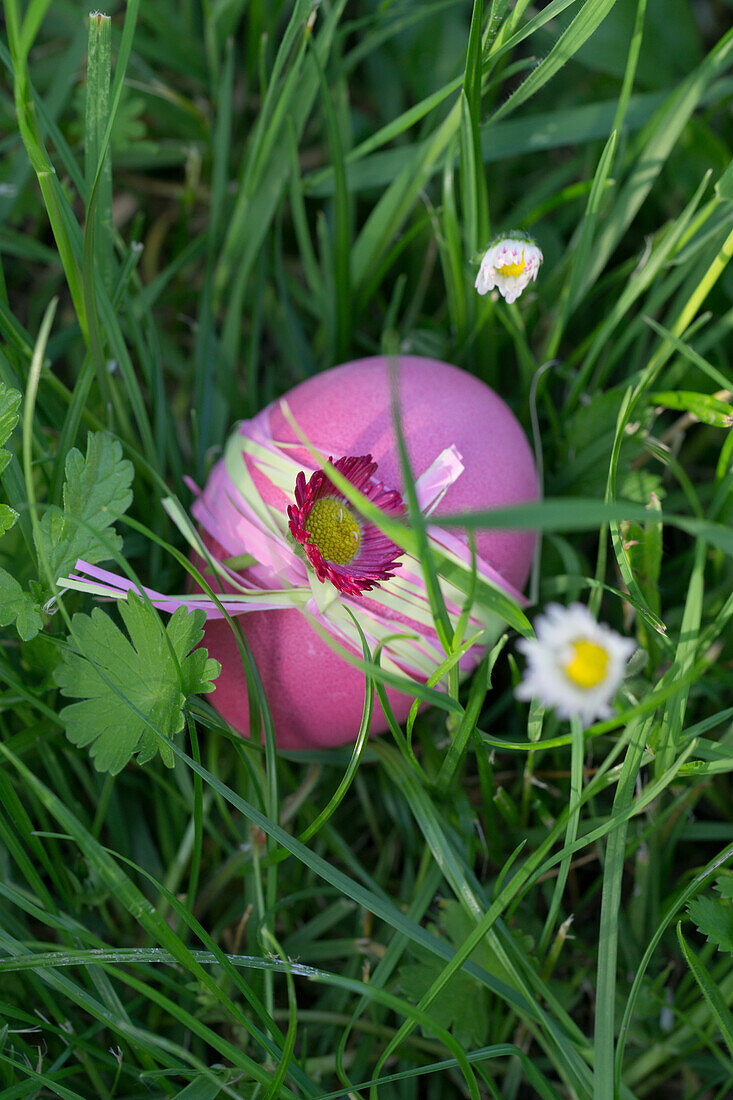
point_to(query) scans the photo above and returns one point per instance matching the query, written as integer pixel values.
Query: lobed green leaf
(19, 607)
(96, 493)
(132, 690)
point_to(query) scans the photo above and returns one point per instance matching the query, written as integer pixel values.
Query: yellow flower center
(512, 270)
(589, 664)
(334, 530)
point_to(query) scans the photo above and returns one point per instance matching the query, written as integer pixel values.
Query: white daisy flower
(574, 664)
(509, 264)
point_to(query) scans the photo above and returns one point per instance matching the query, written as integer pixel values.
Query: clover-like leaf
(131, 691)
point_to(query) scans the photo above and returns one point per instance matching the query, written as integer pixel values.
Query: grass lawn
(202, 206)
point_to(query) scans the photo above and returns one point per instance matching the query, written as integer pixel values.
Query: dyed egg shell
(316, 697)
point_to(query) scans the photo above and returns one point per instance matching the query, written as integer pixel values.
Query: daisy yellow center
(334, 531)
(512, 270)
(588, 665)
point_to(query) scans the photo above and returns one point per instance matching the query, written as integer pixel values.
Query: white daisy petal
(574, 664)
(510, 264)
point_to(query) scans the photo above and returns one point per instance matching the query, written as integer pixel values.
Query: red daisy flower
(343, 547)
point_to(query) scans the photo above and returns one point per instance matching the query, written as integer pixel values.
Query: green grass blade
(658, 139)
(99, 68)
(590, 16)
(709, 989)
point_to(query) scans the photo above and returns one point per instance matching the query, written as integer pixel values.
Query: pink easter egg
(315, 696)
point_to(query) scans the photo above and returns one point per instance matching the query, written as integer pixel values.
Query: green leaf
(714, 916)
(8, 516)
(132, 691)
(710, 990)
(461, 1007)
(708, 409)
(19, 607)
(590, 434)
(96, 493)
(724, 886)
(714, 919)
(9, 411)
